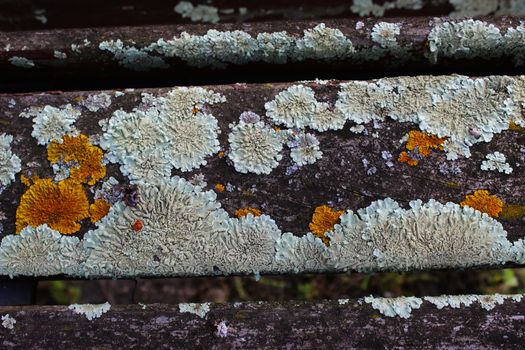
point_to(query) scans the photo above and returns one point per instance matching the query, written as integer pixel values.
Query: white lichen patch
(21, 62)
(385, 33)
(305, 149)
(8, 322)
(464, 39)
(195, 308)
(132, 58)
(496, 161)
(487, 302)
(91, 311)
(96, 102)
(10, 164)
(322, 42)
(300, 254)
(199, 13)
(59, 55)
(254, 148)
(392, 307)
(52, 123)
(513, 44)
(40, 251)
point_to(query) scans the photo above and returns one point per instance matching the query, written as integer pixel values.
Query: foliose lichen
(391, 307)
(368, 7)
(91, 311)
(496, 161)
(195, 308)
(484, 202)
(305, 149)
(10, 164)
(384, 33)
(8, 322)
(132, 58)
(199, 13)
(21, 62)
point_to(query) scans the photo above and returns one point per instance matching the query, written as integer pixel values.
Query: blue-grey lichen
(195, 308)
(40, 251)
(254, 148)
(496, 161)
(8, 322)
(305, 149)
(384, 33)
(9, 162)
(321, 42)
(91, 311)
(513, 44)
(21, 62)
(300, 254)
(391, 307)
(132, 58)
(98, 101)
(199, 13)
(368, 7)
(179, 225)
(59, 54)
(52, 123)
(465, 39)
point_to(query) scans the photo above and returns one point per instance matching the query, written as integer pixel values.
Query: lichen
(384, 33)
(368, 7)
(513, 212)
(220, 188)
(8, 322)
(87, 159)
(323, 220)
(391, 307)
(96, 102)
(293, 107)
(91, 311)
(194, 308)
(40, 251)
(21, 62)
(465, 39)
(247, 211)
(98, 209)
(10, 164)
(254, 148)
(52, 123)
(132, 58)
(60, 205)
(496, 161)
(419, 145)
(199, 13)
(305, 149)
(300, 254)
(321, 42)
(484, 202)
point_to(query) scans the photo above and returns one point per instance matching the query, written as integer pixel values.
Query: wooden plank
(355, 171)
(157, 56)
(263, 325)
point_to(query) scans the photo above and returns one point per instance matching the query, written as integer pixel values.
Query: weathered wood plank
(356, 170)
(344, 48)
(262, 325)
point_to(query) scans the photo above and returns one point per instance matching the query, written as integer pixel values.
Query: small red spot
(137, 225)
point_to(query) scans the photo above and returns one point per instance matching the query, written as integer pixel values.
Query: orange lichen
(248, 210)
(220, 187)
(424, 142)
(420, 143)
(98, 210)
(515, 127)
(483, 201)
(60, 205)
(28, 181)
(324, 220)
(220, 154)
(195, 110)
(79, 150)
(513, 212)
(137, 225)
(405, 158)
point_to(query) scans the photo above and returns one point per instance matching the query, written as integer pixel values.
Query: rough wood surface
(89, 67)
(261, 325)
(45, 14)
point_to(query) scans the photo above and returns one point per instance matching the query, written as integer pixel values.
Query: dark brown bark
(261, 325)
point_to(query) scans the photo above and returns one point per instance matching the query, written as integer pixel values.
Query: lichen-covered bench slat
(45, 14)
(405, 173)
(487, 322)
(262, 51)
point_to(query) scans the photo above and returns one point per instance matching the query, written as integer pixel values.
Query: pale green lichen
(385, 33)
(91, 311)
(496, 161)
(131, 57)
(254, 148)
(10, 164)
(369, 7)
(8, 322)
(96, 102)
(21, 62)
(391, 307)
(195, 308)
(305, 149)
(199, 13)
(52, 123)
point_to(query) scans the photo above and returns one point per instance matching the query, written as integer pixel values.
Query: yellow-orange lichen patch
(513, 212)
(28, 181)
(248, 210)
(483, 201)
(60, 205)
(421, 143)
(324, 220)
(220, 154)
(220, 187)
(515, 127)
(79, 150)
(98, 210)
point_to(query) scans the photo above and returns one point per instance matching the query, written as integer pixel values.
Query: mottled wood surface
(339, 179)
(30, 14)
(261, 325)
(97, 69)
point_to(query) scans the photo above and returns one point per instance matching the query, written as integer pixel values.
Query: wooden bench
(198, 149)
